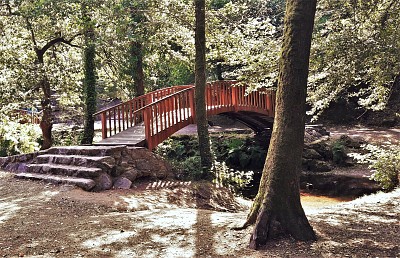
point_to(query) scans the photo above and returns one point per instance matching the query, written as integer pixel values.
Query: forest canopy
(355, 51)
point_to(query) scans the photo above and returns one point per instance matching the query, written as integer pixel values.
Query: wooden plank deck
(133, 136)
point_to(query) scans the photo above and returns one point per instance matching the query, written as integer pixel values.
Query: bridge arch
(159, 114)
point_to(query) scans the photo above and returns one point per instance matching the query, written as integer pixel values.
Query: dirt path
(176, 219)
(39, 220)
(370, 134)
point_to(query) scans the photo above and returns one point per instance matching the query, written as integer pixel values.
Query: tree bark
(137, 68)
(89, 82)
(46, 123)
(200, 85)
(136, 47)
(279, 211)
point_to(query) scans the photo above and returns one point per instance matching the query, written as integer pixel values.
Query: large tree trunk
(89, 82)
(280, 212)
(200, 85)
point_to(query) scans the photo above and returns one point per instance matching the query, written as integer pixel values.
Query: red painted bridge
(150, 119)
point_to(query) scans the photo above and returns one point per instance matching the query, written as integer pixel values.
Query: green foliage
(67, 137)
(387, 169)
(239, 152)
(385, 162)
(16, 138)
(235, 156)
(339, 152)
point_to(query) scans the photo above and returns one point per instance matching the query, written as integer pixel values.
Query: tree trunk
(280, 212)
(46, 123)
(89, 85)
(137, 68)
(200, 86)
(136, 47)
(89, 81)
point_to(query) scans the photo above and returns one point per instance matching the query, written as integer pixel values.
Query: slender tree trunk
(137, 68)
(46, 123)
(89, 82)
(200, 85)
(280, 212)
(136, 46)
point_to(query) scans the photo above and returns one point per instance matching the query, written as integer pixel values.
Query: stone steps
(99, 151)
(94, 168)
(64, 170)
(103, 162)
(84, 183)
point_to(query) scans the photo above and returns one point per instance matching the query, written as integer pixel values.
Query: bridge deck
(133, 136)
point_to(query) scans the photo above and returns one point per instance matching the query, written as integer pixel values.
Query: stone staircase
(93, 168)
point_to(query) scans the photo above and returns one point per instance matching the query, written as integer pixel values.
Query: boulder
(103, 182)
(122, 183)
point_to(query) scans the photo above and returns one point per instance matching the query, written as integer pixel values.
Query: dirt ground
(180, 219)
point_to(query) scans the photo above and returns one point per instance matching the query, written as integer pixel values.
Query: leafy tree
(355, 53)
(277, 205)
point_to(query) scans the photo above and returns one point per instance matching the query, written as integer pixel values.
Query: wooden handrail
(165, 111)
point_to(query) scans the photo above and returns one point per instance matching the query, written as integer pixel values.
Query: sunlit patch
(166, 184)
(7, 209)
(165, 219)
(5, 174)
(109, 238)
(174, 245)
(46, 195)
(132, 202)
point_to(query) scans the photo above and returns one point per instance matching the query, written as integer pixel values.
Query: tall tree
(89, 81)
(200, 84)
(137, 16)
(280, 211)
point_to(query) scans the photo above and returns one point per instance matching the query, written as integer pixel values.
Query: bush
(67, 137)
(385, 162)
(339, 152)
(386, 170)
(16, 138)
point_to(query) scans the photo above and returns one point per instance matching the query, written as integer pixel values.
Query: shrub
(16, 138)
(385, 162)
(339, 152)
(386, 170)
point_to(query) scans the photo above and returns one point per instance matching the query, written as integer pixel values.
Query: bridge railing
(26, 116)
(166, 115)
(122, 116)
(165, 111)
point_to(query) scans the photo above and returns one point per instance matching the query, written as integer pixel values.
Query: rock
(311, 154)
(322, 148)
(316, 165)
(143, 165)
(131, 174)
(103, 182)
(122, 183)
(350, 142)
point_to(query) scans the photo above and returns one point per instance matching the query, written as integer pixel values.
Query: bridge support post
(235, 98)
(147, 127)
(103, 125)
(192, 106)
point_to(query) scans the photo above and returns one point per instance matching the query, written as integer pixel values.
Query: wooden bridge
(150, 119)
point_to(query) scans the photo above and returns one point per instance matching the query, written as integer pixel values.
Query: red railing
(166, 111)
(122, 116)
(26, 116)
